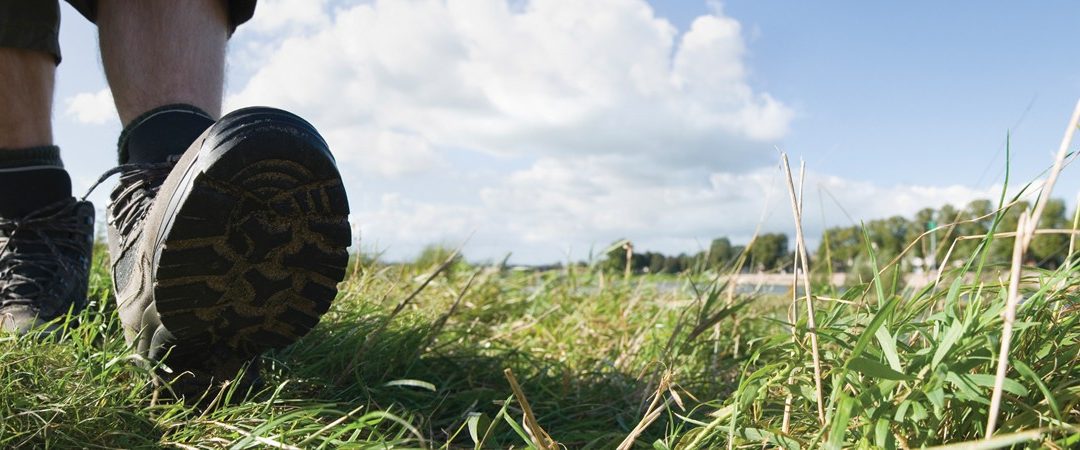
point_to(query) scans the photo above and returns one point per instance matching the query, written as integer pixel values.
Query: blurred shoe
(44, 265)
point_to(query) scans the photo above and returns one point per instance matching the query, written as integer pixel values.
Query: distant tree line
(769, 252)
(846, 247)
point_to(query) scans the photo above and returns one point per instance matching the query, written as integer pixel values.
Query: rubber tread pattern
(256, 249)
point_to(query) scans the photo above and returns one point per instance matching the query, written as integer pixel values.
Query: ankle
(162, 132)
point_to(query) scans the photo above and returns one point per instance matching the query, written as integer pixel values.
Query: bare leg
(159, 52)
(26, 98)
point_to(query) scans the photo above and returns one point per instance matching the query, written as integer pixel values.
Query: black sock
(162, 132)
(31, 178)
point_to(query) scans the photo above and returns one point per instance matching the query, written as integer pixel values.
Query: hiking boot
(236, 250)
(44, 265)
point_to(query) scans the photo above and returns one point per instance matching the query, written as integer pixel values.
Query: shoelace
(139, 184)
(35, 230)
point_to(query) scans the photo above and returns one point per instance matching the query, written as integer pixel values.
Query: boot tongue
(162, 132)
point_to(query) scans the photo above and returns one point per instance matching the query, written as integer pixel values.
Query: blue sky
(931, 81)
(548, 128)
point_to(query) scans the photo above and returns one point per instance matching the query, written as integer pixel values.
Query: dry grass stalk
(1025, 232)
(1008, 234)
(336, 422)
(641, 426)
(654, 411)
(271, 443)
(800, 241)
(793, 311)
(1007, 327)
(541, 439)
(437, 327)
(1072, 238)
(837, 300)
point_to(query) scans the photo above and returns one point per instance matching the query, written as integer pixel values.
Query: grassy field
(416, 357)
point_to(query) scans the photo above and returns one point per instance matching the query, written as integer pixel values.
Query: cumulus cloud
(541, 126)
(554, 78)
(289, 16)
(94, 108)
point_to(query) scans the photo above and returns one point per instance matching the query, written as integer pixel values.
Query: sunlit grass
(672, 362)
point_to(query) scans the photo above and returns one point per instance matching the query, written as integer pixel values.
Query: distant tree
(737, 251)
(887, 236)
(656, 262)
(672, 265)
(768, 250)
(1001, 249)
(844, 245)
(616, 257)
(1049, 250)
(919, 225)
(947, 217)
(720, 253)
(686, 262)
(977, 219)
(639, 263)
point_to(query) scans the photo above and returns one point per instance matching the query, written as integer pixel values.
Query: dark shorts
(35, 24)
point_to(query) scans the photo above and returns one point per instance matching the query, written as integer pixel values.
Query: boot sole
(254, 244)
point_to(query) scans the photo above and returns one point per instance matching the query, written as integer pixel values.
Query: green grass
(902, 368)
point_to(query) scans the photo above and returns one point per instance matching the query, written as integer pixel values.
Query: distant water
(768, 289)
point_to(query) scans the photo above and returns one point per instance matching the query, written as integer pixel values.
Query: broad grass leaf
(918, 411)
(966, 389)
(766, 436)
(937, 399)
(840, 422)
(888, 347)
(475, 423)
(901, 411)
(1003, 441)
(875, 369)
(954, 294)
(871, 328)
(953, 334)
(1010, 385)
(968, 382)
(1030, 374)
(412, 383)
(882, 437)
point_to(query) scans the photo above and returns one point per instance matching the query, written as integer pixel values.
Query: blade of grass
(542, 440)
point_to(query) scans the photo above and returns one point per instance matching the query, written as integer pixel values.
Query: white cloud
(585, 122)
(288, 15)
(559, 79)
(94, 108)
(552, 206)
(384, 152)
